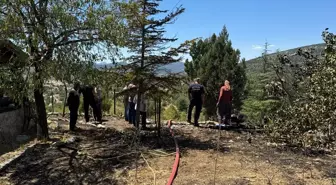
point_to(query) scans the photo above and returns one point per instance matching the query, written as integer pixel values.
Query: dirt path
(108, 156)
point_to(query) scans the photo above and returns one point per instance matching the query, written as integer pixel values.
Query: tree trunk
(114, 102)
(137, 115)
(52, 103)
(40, 104)
(65, 99)
(41, 112)
(143, 30)
(155, 112)
(159, 118)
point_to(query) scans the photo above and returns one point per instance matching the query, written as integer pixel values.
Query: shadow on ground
(99, 156)
(185, 141)
(94, 159)
(103, 156)
(14, 145)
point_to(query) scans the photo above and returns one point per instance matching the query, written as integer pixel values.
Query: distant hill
(253, 65)
(177, 67)
(256, 65)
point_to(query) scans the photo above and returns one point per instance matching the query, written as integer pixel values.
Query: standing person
(98, 100)
(73, 104)
(89, 100)
(142, 109)
(126, 104)
(131, 106)
(196, 97)
(224, 103)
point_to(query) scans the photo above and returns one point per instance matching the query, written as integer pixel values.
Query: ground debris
(108, 155)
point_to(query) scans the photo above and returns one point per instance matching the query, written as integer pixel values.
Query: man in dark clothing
(98, 100)
(196, 97)
(89, 100)
(73, 104)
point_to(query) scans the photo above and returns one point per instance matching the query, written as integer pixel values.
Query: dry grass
(238, 162)
(107, 156)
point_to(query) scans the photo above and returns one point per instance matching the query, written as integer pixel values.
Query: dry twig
(154, 175)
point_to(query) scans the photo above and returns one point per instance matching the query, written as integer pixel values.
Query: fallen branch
(104, 158)
(154, 175)
(160, 155)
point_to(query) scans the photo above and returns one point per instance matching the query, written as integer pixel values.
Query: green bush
(182, 104)
(183, 116)
(171, 112)
(106, 105)
(256, 109)
(307, 117)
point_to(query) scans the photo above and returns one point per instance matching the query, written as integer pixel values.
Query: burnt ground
(112, 155)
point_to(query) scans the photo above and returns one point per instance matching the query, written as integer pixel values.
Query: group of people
(92, 97)
(131, 106)
(196, 93)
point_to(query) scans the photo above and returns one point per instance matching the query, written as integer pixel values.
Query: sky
(285, 24)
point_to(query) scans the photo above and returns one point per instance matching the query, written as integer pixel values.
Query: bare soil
(112, 155)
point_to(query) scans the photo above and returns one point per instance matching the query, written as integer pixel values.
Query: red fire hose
(177, 156)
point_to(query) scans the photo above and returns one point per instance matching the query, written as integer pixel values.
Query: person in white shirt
(142, 109)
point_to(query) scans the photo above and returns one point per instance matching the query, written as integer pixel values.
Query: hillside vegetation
(257, 105)
(254, 66)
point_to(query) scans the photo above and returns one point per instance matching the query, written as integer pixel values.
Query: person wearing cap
(196, 97)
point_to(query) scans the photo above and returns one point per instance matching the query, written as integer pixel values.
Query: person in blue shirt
(196, 97)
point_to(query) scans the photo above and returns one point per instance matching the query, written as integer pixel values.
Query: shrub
(171, 112)
(183, 116)
(309, 119)
(182, 104)
(106, 105)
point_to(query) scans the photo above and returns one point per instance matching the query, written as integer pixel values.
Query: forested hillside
(255, 65)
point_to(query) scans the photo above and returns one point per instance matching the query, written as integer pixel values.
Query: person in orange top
(224, 103)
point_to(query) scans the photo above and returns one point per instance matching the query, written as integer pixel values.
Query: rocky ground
(111, 154)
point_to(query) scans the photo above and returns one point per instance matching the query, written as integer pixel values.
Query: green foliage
(183, 116)
(171, 112)
(256, 105)
(309, 119)
(61, 32)
(106, 105)
(214, 60)
(147, 42)
(182, 104)
(256, 110)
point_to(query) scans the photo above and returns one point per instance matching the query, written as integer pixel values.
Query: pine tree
(216, 61)
(265, 57)
(148, 44)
